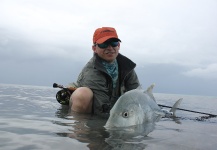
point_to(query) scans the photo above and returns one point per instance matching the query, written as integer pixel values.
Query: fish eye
(125, 114)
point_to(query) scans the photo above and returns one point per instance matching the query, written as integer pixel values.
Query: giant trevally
(136, 107)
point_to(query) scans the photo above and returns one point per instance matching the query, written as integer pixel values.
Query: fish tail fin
(175, 106)
(149, 91)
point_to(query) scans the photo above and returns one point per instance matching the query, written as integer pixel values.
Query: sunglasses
(106, 44)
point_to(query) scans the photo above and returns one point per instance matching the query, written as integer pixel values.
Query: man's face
(108, 50)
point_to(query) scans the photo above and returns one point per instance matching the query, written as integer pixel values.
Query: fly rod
(211, 115)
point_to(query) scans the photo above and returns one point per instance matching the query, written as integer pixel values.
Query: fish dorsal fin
(149, 91)
(150, 88)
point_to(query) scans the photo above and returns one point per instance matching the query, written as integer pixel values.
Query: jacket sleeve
(97, 82)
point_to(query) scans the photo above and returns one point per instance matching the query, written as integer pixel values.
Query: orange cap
(103, 34)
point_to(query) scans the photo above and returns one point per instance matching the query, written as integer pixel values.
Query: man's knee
(81, 100)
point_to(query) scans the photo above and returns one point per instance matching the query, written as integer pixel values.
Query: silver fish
(137, 107)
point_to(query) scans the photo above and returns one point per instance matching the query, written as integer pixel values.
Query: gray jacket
(95, 76)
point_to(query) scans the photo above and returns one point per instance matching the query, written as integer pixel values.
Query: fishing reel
(63, 96)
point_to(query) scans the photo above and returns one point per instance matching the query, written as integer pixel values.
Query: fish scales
(136, 107)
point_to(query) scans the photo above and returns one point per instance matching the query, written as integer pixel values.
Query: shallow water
(31, 118)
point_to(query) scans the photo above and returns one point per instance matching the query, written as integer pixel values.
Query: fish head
(126, 112)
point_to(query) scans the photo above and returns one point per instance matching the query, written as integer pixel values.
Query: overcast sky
(173, 42)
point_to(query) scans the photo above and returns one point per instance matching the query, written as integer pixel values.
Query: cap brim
(102, 40)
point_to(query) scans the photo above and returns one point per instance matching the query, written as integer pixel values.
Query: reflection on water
(89, 129)
(31, 118)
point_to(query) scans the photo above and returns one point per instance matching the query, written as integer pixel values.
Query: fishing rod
(55, 85)
(211, 115)
(63, 97)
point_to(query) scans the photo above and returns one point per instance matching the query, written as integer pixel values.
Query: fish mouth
(113, 125)
(109, 125)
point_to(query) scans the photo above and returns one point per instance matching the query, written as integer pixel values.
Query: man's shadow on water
(90, 129)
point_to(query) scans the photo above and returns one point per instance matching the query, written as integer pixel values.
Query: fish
(137, 106)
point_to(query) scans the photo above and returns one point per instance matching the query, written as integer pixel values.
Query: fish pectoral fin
(175, 106)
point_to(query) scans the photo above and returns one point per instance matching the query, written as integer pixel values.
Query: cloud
(171, 40)
(209, 72)
(17, 47)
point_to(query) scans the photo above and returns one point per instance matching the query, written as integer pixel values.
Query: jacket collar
(124, 63)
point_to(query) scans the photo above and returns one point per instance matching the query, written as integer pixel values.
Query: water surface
(31, 118)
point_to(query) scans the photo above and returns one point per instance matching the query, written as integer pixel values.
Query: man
(105, 77)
